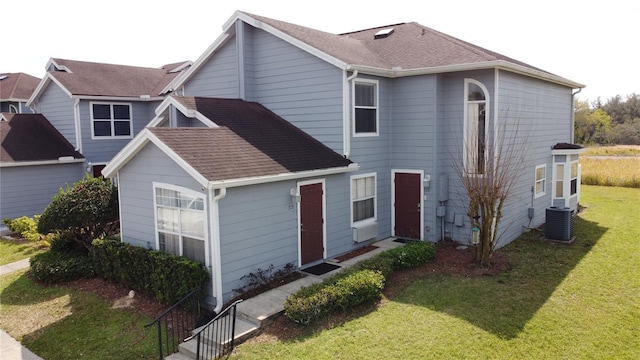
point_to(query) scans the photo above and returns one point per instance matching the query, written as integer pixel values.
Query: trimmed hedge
(167, 277)
(57, 267)
(347, 291)
(356, 285)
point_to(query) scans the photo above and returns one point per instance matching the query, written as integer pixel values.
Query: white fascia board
(44, 83)
(136, 145)
(568, 151)
(219, 184)
(57, 66)
(499, 64)
(186, 75)
(41, 162)
(180, 107)
(293, 41)
(117, 98)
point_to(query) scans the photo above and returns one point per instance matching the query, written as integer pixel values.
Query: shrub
(56, 267)
(356, 285)
(28, 228)
(167, 277)
(62, 242)
(341, 292)
(413, 254)
(87, 210)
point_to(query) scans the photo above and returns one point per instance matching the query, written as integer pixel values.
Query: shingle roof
(98, 79)
(31, 137)
(410, 46)
(251, 141)
(17, 86)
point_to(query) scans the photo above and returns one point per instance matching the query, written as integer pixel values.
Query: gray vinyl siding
(218, 77)
(27, 190)
(259, 228)
(542, 111)
(135, 185)
(413, 136)
(103, 150)
(297, 86)
(57, 107)
(450, 129)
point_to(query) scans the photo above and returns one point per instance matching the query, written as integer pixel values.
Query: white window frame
(353, 199)
(376, 106)
(566, 179)
(470, 134)
(112, 121)
(189, 192)
(543, 181)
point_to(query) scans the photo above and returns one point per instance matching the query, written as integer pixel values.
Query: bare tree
(488, 172)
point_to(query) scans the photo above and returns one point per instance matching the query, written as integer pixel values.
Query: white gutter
(220, 184)
(216, 266)
(76, 117)
(499, 64)
(573, 117)
(346, 113)
(119, 98)
(62, 160)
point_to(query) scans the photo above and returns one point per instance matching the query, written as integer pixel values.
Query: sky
(592, 42)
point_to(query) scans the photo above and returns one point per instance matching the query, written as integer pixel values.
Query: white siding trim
(5, 164)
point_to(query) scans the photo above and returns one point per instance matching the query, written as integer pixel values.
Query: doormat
(321, 268)
(405, 240)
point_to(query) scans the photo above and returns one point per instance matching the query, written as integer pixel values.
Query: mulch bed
(450, 260)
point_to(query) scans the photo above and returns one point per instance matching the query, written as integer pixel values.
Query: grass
(613, 171)
(615, 150)
(59, 323)
(12, 250)
(577, 301)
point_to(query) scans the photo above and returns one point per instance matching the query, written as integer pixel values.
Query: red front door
(311, 223)
(407, 207)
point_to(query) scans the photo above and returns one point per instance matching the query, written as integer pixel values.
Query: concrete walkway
(260, 310)
(10, 349)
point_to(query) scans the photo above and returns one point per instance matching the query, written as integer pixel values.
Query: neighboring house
(15, 90)
(397, 103)
(99, 107)
(35, 162)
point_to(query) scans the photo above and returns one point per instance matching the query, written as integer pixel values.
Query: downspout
(346, 113)
(216, 258)
(573, 117)
(76, 116)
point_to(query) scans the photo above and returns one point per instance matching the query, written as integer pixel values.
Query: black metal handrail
(217, 338)
(178, 321)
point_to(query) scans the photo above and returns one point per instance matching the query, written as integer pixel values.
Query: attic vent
(383, 33)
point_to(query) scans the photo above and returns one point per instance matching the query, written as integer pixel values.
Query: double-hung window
(365, 101)
(180, 221)
(111, 120)
(363, 197)
(540, 185)
(476, 125)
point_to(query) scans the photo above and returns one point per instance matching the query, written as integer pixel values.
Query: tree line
(616, 121)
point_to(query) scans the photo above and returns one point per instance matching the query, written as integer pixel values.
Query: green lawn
(11, 250)
(578, 301)
(58, 323)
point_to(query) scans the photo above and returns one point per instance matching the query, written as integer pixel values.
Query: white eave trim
(190, 113)
(44, 83)
(136, 145)
(568, 151)
(219, 184)
(41, 162)
(498, 64)
(293, 41)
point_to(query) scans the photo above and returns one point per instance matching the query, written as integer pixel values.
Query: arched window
(476, 126)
